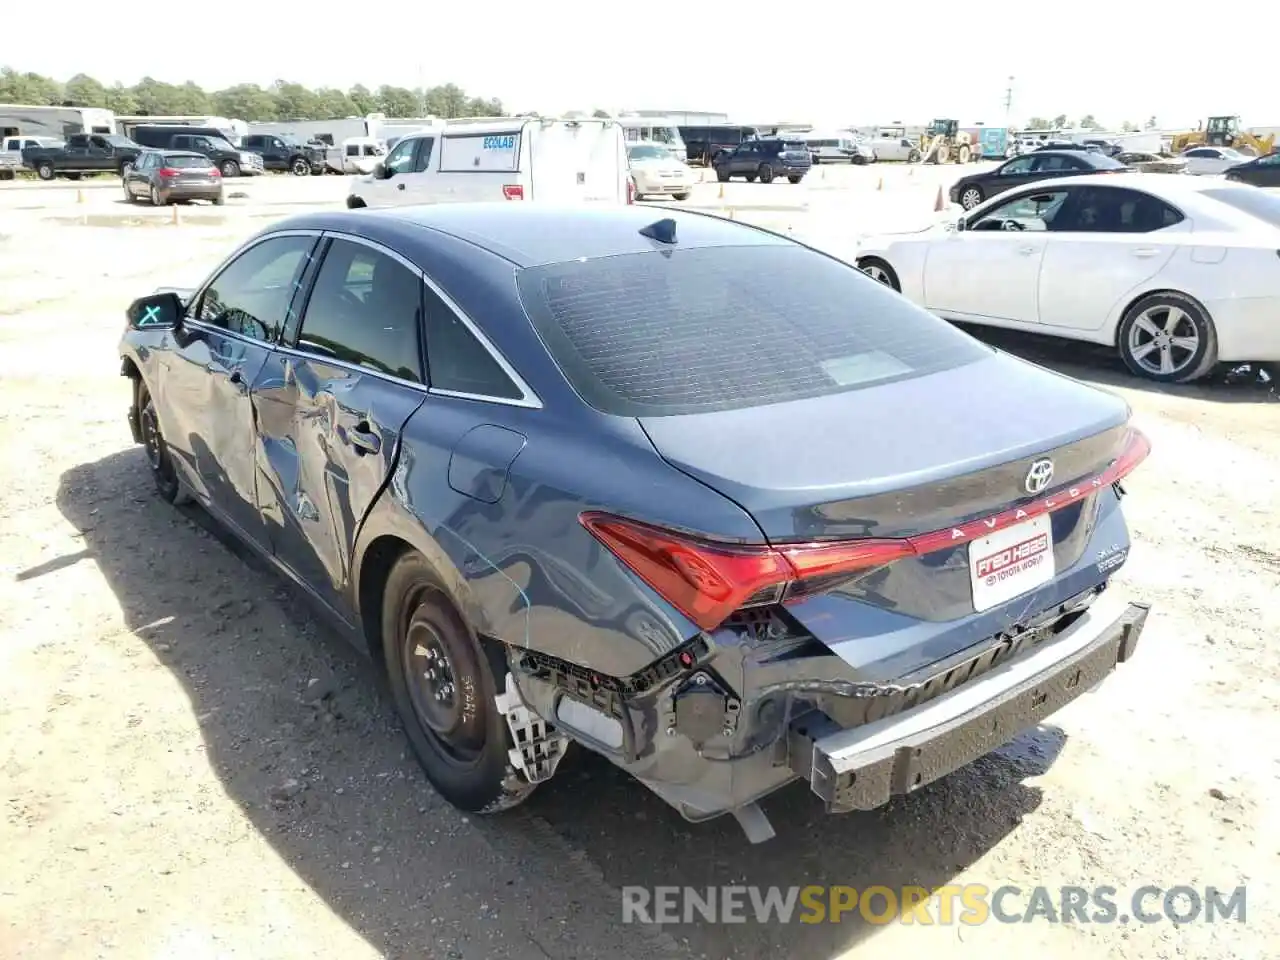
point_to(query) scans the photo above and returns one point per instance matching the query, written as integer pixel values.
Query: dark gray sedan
(697, 497)
(166, 176)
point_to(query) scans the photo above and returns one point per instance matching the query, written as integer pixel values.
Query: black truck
(83, 153)
(280, 152)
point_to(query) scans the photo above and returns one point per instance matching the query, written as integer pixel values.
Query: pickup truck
(11, 148)
(280, 152)
(83, 153)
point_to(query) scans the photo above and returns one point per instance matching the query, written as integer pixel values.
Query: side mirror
(379, 171)
(960, 226)
(160, 311)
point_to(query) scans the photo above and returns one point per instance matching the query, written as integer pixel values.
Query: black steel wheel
(444, 680)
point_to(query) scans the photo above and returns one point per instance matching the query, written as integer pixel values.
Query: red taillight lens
(708, 581)
(214, 172)
(631, 190)
(513, 191)
(168, 172)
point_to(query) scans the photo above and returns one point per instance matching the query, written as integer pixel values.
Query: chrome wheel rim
(970, 199)
(1164, 340)
(878, 274)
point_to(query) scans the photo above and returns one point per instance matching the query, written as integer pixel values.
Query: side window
(1271, 160)
(1014, 167)
(424, 154)
(353, 149)
(1051, 164)
(276, 144)
(1029, 211)
(458, 362)
(364, 309)
(400, 159)
(251, 296)
(1117, 210)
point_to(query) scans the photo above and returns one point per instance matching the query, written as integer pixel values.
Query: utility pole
(1008, 102)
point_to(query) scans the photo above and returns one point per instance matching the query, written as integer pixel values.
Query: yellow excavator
(1224, 132)
(944, 143)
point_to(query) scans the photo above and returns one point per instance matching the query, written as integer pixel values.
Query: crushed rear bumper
(864, 767)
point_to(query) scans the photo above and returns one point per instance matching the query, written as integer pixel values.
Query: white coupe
(1178, 273)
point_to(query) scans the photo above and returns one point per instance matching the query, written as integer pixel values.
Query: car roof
(1159, 184)
(179, 153)
(531, 234)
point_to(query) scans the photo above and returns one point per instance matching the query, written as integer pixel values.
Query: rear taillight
(631, 190)
(513, 191)
(707, 581)
(214, 172)
(167, 172)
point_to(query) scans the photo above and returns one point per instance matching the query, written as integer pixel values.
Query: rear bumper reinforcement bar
(863, 767)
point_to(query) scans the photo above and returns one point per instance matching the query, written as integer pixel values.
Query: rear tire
(460, 738)
(680, 196)
(45, 171)
(1171, 324)
(722, 175)
(880, 271)
(795, 179)
(355, 203)
(970, 197)
(766, 173)
(156, 199)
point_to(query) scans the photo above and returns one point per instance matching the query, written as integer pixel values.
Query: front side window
(364, 310)
(1030, 211)
(251, 296)
(721, 328)
(1015, 167)
(424, 154)
(400, 159)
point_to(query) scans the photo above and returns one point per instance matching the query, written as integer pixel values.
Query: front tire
(230, 168)
(970, 197)
(300, 168)
(162, 469)
(443, 680)
(880, 271)
(680, 196)
(1169, 338)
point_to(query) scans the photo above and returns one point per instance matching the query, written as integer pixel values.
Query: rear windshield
(793, 145)
(1257, 203)
(647, 152)
(721, 328)
(1102, 162)
(187, 162)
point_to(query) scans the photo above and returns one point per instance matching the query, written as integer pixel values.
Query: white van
(841, 146)
(501, 158)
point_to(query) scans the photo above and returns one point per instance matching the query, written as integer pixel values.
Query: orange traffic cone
(938, 205)
(721, 191)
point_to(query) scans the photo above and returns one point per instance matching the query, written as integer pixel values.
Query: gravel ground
(176, 785)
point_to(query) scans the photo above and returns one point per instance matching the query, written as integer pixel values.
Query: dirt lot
(176, 786)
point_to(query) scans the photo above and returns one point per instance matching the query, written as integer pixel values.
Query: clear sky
(867, 63)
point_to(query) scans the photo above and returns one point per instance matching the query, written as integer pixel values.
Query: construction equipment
(1224, 132)
(944, 143)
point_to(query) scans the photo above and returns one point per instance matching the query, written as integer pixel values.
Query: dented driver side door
(342, 386)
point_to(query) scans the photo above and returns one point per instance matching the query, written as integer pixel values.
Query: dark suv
(702, 144)
(766, 158)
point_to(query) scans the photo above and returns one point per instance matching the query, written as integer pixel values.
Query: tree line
(1087, 122)
(282, 100)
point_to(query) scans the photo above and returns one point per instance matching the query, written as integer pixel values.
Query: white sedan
(1210, 161)
(1178, 273)
(658, 171)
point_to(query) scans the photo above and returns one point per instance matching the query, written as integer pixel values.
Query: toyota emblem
(1039, 475)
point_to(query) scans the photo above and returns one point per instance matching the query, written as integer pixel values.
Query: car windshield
(118, 141)
(721, 328)
(648, 152)
(183, 162)
(1257, 203)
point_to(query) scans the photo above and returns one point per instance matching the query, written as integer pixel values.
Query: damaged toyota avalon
(695, 496)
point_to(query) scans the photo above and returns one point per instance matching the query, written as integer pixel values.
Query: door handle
(1027, 251)
(363, 439)
(1145, 252)
(399, 186)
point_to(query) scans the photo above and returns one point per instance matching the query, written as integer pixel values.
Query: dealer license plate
(1011, 562)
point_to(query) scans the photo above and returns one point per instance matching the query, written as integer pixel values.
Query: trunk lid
(910, 458)
(900, 458)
